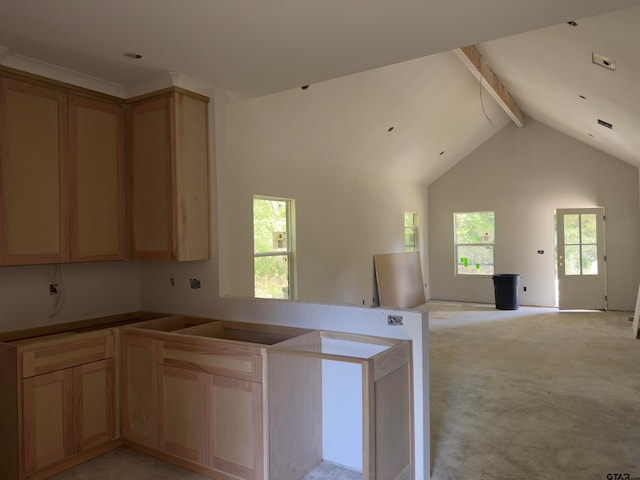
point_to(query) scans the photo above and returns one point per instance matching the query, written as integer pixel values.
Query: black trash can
(507, 290)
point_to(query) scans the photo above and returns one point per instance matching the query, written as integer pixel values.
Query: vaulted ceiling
(252, 48)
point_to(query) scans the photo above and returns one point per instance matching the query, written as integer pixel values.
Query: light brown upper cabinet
(34, 174)
(96, 154)
(62, 174)
(169, 176)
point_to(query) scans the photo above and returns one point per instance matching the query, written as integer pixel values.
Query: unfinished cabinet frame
(194, 394)
(295, 403)
(58, 406)
(169, 177)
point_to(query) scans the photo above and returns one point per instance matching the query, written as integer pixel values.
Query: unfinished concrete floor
(533, 394)
(127, 464)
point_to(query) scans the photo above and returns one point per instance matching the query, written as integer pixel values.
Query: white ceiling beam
(477, 65)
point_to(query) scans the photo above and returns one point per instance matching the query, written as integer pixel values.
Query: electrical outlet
(194, 283)
(53, 289)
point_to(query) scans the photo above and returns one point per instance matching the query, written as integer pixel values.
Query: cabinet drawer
(39, 360)
(228, 361)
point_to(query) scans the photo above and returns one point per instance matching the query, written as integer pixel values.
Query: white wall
(344, 215)
(90, 289)
(524, 175)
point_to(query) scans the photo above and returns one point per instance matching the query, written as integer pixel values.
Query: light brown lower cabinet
(232, 400)
(139, 380)
(195, 399)
(183, 413)
(48, 419)
(211, 420)
(58, 402)
(67, 412)
(235, 431)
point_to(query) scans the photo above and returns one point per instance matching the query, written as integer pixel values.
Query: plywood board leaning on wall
(399, 279)
(636, 317)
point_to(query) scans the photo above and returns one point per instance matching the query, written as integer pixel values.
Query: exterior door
(581, 259)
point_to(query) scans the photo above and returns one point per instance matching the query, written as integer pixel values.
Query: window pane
(571, 259)
(409, 219)
(589, 260)
(474, 227)
(572, 229)
(269, 225)
(475, 260)
(589, 225)
(409, 239)
(271, 276)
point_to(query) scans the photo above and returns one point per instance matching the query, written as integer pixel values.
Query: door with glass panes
(581, 259)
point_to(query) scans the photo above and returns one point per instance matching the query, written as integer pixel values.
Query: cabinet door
(47, 418)
(183, 413)
(139, 395)
(152, 229)
(33, 172)
(235, 437)
(93, 404)
(192, 178)
(96, 154)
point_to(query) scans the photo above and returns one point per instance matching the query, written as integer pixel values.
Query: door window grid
(580, 244)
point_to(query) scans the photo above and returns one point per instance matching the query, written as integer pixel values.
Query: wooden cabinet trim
(12, 73)
(217, 359)
(38, 359)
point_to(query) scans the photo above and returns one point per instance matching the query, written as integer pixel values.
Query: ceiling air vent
(605, 124)
(603, 61)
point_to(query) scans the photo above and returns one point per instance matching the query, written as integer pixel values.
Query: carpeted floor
(533, 394)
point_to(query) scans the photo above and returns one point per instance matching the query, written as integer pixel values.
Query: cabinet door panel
(192, 178)
(183, 413)
(139, 390)
(96, 151)
(151, 184)
(34, 172)
(236, 428)
(48, 418)
(94, 404)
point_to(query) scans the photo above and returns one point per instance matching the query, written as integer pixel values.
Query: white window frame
(483, 243)
(414, 228)
(289, 252)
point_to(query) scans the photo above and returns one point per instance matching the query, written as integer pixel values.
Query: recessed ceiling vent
(603, 61)
(605, 124)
